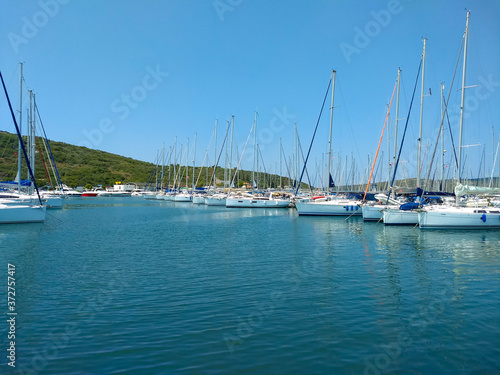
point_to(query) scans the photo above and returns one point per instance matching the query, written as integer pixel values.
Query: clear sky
(127, 76)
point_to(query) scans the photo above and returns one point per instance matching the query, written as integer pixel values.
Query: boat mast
(187, 165)
(169, 166)
(20, 150)
(280, 165)
(330, 136)
(194, 159)
(28, 130)
(396, 124)
(494, 162)
(421, 117)
(225, 159)
(254, 151)
(29, 140)
(175, 163)
(215, 155)
(162, 165)
(33, 139)
(462, 101)
(442, 137)
(231, 150)
(296, 158)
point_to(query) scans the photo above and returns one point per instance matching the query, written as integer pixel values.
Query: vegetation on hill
(77, 166)
(80, 166)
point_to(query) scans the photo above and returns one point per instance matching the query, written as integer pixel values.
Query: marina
(154, 287)
(237, 187)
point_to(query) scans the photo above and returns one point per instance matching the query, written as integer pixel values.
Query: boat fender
(347, 208)
(357, 208)
(483, 218)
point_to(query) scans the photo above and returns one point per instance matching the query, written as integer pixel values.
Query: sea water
(132, 286)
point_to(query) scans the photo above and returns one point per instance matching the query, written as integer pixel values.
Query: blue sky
(127, 76)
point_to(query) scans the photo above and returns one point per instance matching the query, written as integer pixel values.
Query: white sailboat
(217, 199)
(398, 216)
(21, 213)
(330, 205)
(269, 200)
(459, 215)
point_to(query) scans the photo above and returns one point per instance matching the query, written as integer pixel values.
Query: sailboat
(255, 199)
(184, 196)
(329, 205)
(214, 197)
(406, 214)
(460, 215)
(33, 213)
(26, 195)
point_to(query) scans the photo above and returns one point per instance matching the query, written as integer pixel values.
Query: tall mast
(225, 159)
(280, 165)
(33, 139)
(296, 157)
(254, 150)
(194, 159)
(396, 125)
(162, 165)
(187, 165)
(462, 101)
(421, 117)
(330, 136)
(175, 163)
(442, 137)
(231, 151)
(215, 154)
(169, 166)
(20, 150)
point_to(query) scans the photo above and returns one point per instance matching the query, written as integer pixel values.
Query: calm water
(128, 286)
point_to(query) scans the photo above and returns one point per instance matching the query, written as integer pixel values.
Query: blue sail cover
(14, 183)
(331, 184)
(409, 206)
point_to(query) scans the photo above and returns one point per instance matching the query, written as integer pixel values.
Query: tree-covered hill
(76, 165)
(80, 166)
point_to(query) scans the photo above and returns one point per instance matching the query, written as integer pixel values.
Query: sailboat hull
(373, 213)
(183, 198)
(460, 218)
(328, 208)
(256, 203)
(198, 199)
(13, 214)
(395, 216)
(215, 201)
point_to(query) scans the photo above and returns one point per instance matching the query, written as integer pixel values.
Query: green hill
(79, 166)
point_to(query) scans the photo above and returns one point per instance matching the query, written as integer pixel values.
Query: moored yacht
(269, 200)
(333, 205)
